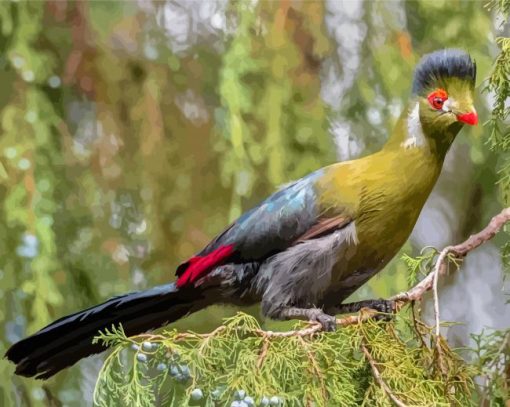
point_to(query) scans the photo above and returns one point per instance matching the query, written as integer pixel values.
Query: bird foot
(381, 305)
(328, 322)
(385, 307)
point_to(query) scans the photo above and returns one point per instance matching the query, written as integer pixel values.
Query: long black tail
(69, 339)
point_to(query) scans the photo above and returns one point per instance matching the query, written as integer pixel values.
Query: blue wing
(272, 226)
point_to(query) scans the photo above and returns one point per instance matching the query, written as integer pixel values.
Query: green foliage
(420, 266)
(137, 387)
(30, 160)
(274, 130)
(505, 258)
(492, 359)
(503, 6)
(322, 369)
(499, 84)
(499, 139)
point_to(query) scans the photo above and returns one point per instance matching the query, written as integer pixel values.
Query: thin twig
(263, 352)
(379, 379)
(315, 327)
(439, 269)
(500, 350)
(315, 366)
(459, 250)
(415, 324)
(440, 265)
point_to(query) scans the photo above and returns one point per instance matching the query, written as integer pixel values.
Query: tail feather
(69, 339)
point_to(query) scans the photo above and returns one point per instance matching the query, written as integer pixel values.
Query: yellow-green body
(382, 195)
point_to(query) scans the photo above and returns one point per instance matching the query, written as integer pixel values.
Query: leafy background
(132, 132)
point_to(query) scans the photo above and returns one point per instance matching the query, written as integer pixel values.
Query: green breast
(383, 194)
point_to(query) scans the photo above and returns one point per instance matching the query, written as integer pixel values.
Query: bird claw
(328, 322)
(385, 307)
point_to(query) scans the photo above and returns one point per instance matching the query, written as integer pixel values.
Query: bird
(306, 248)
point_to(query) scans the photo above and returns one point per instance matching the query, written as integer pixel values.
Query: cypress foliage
(322, 369)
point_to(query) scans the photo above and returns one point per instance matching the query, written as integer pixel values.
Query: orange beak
(468, 118)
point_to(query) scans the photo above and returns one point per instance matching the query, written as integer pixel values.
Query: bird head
(444, 83)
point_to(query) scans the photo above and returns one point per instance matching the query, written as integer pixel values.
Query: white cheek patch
(447, 105)
(415, 137)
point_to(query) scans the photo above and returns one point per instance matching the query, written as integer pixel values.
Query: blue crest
(443, 64)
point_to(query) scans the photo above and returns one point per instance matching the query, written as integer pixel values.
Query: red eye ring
(437, 103)
(437, 98)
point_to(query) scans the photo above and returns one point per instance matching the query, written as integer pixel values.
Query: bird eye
(437, 98)
(437, 103)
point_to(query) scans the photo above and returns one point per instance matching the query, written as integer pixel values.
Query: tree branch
(459, 250)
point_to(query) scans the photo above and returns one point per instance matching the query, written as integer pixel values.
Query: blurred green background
(132, 132)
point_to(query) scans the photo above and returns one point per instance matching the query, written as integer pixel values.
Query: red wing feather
(197, 266)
